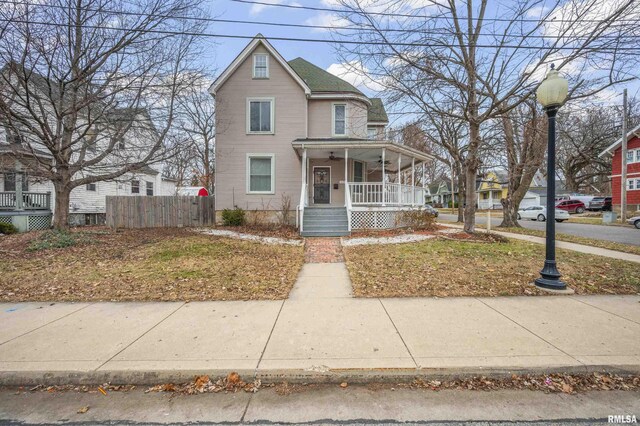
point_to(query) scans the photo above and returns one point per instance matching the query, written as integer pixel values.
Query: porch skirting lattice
(377, 218)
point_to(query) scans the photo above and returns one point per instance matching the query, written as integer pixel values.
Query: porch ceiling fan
(333, 157)
(386, 162)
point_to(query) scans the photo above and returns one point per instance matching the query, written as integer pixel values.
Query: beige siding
(321, 116)
(233, 143)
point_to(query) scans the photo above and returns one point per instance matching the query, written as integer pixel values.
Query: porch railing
(30, 200)
(378, 193)
(302, 204)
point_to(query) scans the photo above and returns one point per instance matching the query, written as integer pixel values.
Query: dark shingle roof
(376, 111)
(320, 80)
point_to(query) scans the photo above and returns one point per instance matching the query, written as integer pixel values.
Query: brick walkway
(323, 250)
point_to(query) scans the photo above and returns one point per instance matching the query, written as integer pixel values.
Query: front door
(321, 185)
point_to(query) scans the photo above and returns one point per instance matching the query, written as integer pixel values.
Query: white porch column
(18, 177)
(399, 165)
(304, 166)
(346, 175)
(490, 198)
(424, 185)
(384, 178)
(413, 181)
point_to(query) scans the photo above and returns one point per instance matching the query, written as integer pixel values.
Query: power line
(403, 15)
(282, 24)
(312, 40)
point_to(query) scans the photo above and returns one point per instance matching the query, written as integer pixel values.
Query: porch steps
(325, 222)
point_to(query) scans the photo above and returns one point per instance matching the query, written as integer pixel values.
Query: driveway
(618, 234)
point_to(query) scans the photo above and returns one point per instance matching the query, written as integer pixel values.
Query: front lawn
(458, 268)
(143, 265)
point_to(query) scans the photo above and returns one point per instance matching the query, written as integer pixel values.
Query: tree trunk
(461, 197)
(469, 199)
(509, 213)
(61, 210)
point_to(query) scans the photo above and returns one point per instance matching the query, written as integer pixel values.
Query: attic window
(260, 65)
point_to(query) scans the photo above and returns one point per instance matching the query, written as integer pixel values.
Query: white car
(539, 213)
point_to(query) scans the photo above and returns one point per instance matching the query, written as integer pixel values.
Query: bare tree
(455, 59)
(89, 87)
(583, 133)
(525, 140)
(197, 122)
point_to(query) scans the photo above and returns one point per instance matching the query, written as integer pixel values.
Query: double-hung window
(339, 119)
(91, 187)
(372, 133)
(260, 65)
(633, 184)
(135, 186)
(10, 182)
(149, 188)
(260, 174)
(260, 115)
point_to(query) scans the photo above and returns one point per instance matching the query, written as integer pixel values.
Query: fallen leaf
(83, 410)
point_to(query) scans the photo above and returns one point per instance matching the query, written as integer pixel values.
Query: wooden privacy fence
(159, 211)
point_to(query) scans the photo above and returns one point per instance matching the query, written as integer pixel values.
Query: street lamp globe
(553, 90)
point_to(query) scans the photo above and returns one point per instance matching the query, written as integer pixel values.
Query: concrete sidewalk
(316, 339)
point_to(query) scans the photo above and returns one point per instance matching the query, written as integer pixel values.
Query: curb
(331, 376)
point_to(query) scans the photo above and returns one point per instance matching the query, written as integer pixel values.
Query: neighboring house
(633, 170)
(492, 187)
(33, 208)
(294, 134)
(440, 194)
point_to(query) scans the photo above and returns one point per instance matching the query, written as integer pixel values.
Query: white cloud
(256, 9)
(326, 20)
(357, 74)
(537, 12)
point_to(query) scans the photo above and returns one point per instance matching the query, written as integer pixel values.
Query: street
(618, 234)
(317, 404)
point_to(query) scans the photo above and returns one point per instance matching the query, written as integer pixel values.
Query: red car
(572, 206)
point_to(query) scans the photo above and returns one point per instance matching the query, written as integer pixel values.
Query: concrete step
(325, 233)
(312, 228)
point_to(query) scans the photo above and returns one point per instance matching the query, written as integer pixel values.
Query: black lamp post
(551, 94)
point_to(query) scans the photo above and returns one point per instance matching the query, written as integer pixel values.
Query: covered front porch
(371, 180)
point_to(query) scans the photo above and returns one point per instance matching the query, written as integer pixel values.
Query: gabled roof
(319, 80)
(257, 40)
(611, 148)
(377, 113)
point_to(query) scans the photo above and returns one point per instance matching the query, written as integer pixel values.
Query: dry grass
(458, 268)
(141, 265)
(611, 245)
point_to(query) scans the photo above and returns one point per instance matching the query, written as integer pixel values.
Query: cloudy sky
(321, 54)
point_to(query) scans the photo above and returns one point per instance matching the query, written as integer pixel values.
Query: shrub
(417, 219)
(55, 239)
(8, 228)
(233, 217)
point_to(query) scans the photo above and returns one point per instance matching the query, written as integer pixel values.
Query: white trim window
(91, 187)
(261, 174)
(633, 184)
(372, 133)
(260, 115)
(260, 65)
(150, 188)
(339, 119)
(135, 186)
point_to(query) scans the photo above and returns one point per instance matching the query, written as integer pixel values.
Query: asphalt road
(618, 234)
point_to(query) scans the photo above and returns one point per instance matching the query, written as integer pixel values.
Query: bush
(417, 219)
(54, 239)
(8, 228)
(233, 217)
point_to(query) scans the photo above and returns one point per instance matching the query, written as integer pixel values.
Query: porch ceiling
(360, 149)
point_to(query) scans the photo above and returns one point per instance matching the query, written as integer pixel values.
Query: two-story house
(289, 130)
(633, 170)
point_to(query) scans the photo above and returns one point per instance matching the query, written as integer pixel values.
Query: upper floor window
(91, 187)
(260, 65)
(633, 156)
(260, 115)
(339, 119)
(135, 186)
(372, 133)
(149, 188)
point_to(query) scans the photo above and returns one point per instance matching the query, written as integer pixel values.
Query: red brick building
(633, 170)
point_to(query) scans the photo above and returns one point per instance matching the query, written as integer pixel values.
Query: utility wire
(312, 40)
(403, 15)
(435, 30)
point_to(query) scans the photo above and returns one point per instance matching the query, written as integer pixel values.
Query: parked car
(635, 221)
(600, 203)
(431, 210)
(571, 206)
(539, 213)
